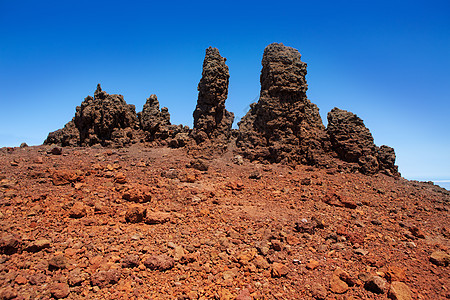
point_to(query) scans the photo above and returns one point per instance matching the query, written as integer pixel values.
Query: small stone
(198, 164)
(130, 261)
(376, 284)
(21, 280)
(7, 293)
(279, 270)
(312, 264)
(78, 210)
(338, 286)
(157, 217)
(135, 214)
(440, 258)
(277, 245)
(178, 253)
(59, 290)
(246, 256)
(399, 291)
(55, 151)
(417, 232)
(361, 251)
(260, 262)
(38, 279)
(76, 277)
(23, 145)
(238, 160)
(318, 291)
(394, 273)
(105, 278)
(57, 262)
(160, 262)
(344, 276)
(120, 178)
(38, 245)
(9, 244)
(255, 175)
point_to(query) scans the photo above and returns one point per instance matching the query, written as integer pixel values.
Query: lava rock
(376, 284)
(59, 290)
(440, 258)
(212, 122)
(105, 278)
(399, 291)
(283, 126)
(9, 244)
(135, 214)
(103, 119)
(160, 262)
(353, 143)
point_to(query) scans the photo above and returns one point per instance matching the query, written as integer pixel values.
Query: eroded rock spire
(212, 122)
(283, 126)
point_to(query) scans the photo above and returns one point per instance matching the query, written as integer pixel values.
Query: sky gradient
(386, 61)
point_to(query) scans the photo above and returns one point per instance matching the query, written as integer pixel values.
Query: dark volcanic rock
(353, 143)
(67, 136)
(284, 126)
(212, 122)
(105, 119)
(151, 118)
(156, 124)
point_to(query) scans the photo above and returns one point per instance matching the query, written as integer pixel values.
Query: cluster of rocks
(282, 127)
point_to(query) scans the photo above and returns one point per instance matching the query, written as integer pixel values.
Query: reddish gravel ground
(153, 223)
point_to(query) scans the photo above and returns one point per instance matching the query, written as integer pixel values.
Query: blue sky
(386, 61)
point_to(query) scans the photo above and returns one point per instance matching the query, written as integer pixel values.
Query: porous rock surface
(283, 126)
(212, 122)
(155, 123)
(353, 143)
(103, 119)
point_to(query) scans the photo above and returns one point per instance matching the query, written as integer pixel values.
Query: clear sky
(386, 61)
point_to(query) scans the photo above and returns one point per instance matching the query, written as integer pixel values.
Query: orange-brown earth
(153, 223)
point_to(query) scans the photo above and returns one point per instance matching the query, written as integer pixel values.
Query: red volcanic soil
(153, 223)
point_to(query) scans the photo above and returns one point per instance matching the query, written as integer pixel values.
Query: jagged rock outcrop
(353, 143)
(103, 119)
(283, 126)
(66, 136)
(212, 122)
(157, 127)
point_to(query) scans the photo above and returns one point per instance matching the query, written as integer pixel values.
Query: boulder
(352, 141)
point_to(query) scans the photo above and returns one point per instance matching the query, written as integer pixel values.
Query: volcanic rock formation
(284, 126)
(353, 143)
(212, 122)
(103, 119)
(157, 127)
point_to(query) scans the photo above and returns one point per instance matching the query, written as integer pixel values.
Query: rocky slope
(151, 223)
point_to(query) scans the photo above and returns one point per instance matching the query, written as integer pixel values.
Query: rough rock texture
(157, 127)
(353, 143)
(283, 126)
(152, 119)
(212, 122)
(103, 119)
(218, 234)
